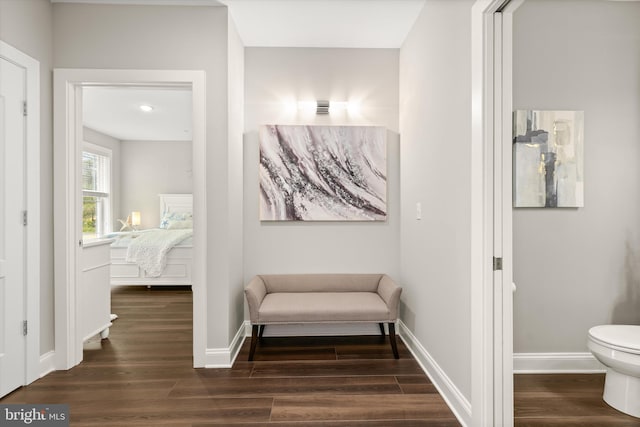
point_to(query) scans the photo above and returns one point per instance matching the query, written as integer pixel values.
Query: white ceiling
(260, 23)
(324, 23)
(116, 112)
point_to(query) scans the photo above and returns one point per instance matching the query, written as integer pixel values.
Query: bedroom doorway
(69, 86)
(137, 189)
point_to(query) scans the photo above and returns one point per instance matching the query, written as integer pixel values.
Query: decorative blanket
(149, 250)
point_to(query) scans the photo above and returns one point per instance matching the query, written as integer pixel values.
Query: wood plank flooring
(565, 400)
(142, 376)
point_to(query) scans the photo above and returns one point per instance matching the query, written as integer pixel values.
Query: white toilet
(618, 348)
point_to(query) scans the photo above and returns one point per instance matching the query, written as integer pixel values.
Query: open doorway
(69, 86)
(137, 190)
(577, 267)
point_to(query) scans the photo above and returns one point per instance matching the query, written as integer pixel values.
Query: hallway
(142, 376)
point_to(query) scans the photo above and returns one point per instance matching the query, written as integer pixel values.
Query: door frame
(67, 85)
(32, 239)
(491, 224)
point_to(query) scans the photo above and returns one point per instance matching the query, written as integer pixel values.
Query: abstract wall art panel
(548, 159)
(323, 173)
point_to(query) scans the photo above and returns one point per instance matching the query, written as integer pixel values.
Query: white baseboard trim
(47, 363)
(459, 405)
(556, 363)
(224, 357)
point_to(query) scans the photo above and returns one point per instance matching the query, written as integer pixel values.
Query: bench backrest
(321, 282)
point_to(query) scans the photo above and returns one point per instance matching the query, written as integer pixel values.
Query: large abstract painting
(323, 173)
(548, 158)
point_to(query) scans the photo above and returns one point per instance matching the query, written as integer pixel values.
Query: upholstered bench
(276, 299)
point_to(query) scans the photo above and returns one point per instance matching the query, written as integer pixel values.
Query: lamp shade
(135, 218)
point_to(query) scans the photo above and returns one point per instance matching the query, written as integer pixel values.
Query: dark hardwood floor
(142, 376)
(565, 400)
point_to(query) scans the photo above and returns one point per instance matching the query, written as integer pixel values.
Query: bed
(178, 260)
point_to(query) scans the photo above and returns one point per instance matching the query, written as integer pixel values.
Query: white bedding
(148, 249)
(123, 239)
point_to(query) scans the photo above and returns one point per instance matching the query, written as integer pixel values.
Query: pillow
(170, 217)
(177, 225)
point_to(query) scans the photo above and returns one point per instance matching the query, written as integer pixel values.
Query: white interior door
(12, 230)
(503, 227)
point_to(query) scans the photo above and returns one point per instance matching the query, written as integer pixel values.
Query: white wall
(274, 75)
(149, 168)
(27, 26)
(112, 144)
(576, 268)
(235, 158)
(173, 38)
(435, 124)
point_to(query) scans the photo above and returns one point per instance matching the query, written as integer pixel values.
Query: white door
(12, 230)
(502, 215)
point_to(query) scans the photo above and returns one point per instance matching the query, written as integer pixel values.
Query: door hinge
(24, 108)
(24, 217)
(25, 327)
(497, 264)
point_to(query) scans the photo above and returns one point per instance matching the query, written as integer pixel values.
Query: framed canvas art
(323, 173)
(548, 159)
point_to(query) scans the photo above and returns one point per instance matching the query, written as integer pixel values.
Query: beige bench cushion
(302, 307)
(275, 283)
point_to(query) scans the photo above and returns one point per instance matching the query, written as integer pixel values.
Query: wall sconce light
(322, 107)
(135, 219)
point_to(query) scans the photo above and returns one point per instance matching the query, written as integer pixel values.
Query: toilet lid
(626, 337)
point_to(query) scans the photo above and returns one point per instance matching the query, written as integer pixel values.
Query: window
(96, 189)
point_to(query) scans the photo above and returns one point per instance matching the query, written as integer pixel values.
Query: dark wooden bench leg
(392, 339)
(261, 331)
(382, 329)
(254, 341)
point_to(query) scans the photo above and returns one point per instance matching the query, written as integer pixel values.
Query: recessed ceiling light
(146, 108)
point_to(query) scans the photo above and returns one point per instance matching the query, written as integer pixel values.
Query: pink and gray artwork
(323, 173)
(548, 153)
